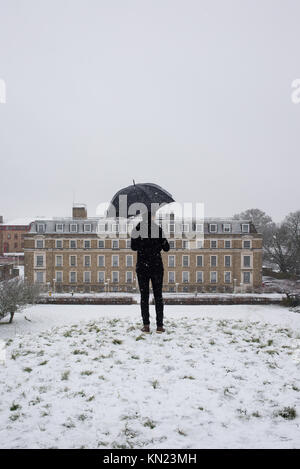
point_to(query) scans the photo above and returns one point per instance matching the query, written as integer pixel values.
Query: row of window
(127, 228)
(40, 244)
(129, 278)
(115, 261)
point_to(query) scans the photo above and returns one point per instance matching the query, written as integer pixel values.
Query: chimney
(1, 218)
(79, 211)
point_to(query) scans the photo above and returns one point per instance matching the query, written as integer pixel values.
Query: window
(171, 261)
(213, 261)
(227, 261)
(199, 261)
(227, 227)
(39, 243)
(199, 227)
(171, 276)
(185, 261)
(247, 261)
(199, 244)
(59, 244)
(101, 244)
(213, 244)
(115, 244)
(115, 228)
(213, 277)
(73, 244)
(172, 244)
(227, 243)
(41, 228)
(39, 276)
(129, 277)
(171, 228)
(101, 228)
(59, 227)
(247, 244)
(87, 261)
(73, 261)
(101, 261)
(73, 276)
(129, 261)
(227, 277)
(185, 228)
(86, 277)
(199, 277)
(58, 276)
(185, 244)
(246, 277)
(185, 277)
(39, 261)
(73, 228)
(245, 228)
(58, 261)
(115, 276)
(16, 235)
(213, 227)
(115, 261)
(87, 244)
(101, 276)
(87, 228)
(128, 243)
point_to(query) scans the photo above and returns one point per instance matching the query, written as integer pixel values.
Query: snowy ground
(84, 376)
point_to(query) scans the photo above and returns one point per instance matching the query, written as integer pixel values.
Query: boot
(160, 329)
(146, 329)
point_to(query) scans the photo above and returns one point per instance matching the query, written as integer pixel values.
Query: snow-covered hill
(85, 376)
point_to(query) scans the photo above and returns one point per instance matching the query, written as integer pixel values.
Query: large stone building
(91, 254)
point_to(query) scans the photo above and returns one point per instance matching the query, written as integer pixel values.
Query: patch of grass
(272, 352)
(256, 414)
(69, 424)
(65, 375)
(140, 337)
(14, 355)
(43, 363)
(82, 417)
(86, 373)
(14, 407)
(14, 417)
(80, 352)
(117, 342)
(27, 369)
(149, 423)
(155, 384)
(35, 401)
(135, 357)
(188, 377)
(287, 413)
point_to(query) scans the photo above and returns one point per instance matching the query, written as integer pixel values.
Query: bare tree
(15, 294)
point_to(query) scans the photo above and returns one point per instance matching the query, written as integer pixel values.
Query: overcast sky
(194, 95)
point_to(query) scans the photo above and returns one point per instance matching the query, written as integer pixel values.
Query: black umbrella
(146, 194)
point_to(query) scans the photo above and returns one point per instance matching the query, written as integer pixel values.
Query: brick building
(91, 254)
(12, 235)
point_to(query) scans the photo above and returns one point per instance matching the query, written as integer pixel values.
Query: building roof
(50, 226)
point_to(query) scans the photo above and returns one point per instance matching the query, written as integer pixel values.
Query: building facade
(12, 235)
(90, 254)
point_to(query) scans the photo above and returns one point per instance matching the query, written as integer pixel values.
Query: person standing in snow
(148, 241)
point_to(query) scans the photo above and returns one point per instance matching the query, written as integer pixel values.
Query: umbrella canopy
(146, 194)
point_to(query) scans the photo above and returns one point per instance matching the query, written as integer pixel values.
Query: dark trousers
(156, 276)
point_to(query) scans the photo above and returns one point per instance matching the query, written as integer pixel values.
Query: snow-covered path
(84, 376)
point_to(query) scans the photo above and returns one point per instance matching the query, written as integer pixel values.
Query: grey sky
(192, 95)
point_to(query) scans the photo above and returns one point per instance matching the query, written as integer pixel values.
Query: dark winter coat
(149, 248)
